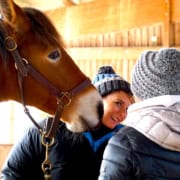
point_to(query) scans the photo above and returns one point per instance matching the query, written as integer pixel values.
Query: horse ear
(13, 15)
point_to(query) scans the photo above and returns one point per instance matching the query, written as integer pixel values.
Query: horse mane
(41, 26)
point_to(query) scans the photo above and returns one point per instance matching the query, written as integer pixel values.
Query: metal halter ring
(10, 43)
(50, 141)
(65, 99)
(26, 62)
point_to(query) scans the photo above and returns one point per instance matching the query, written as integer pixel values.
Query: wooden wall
(116, 31)
(4, 150)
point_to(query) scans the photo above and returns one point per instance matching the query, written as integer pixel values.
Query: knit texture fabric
(157, 73)
(107, 81)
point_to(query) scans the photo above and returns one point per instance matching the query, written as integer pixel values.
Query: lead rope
(48, 132)
(47, 138)
(46, 164)
(46, 142)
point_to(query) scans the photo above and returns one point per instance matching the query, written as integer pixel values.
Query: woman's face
(115, 108)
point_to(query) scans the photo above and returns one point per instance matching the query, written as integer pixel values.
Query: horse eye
(55, 55)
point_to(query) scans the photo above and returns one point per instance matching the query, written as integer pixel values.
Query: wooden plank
(167, 25)
(176, 32)
(175, 10)
(4, 151)
(122, 59)
(107, 16)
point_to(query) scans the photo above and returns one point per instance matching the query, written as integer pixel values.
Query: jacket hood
(158, 119)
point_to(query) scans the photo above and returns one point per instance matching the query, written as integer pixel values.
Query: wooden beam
(167, 24)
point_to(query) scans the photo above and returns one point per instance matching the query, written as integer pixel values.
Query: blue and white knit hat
(157, 73)
(107, 81)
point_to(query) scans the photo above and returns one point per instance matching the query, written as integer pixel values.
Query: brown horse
(36, 70)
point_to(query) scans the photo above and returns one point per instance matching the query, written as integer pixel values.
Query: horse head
(39, 45)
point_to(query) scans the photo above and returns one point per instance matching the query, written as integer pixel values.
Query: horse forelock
(43, 28)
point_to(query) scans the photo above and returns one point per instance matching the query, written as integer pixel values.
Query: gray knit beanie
(157, 73)
(107, 81)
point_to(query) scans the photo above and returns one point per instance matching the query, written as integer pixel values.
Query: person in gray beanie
(149, 146)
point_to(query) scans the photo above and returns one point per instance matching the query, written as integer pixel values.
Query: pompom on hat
(157, 73)
(107, 81)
